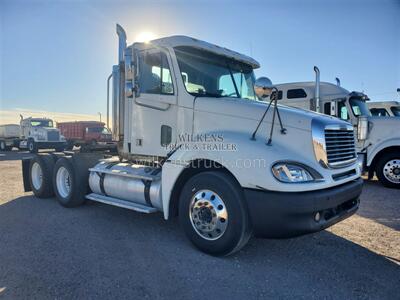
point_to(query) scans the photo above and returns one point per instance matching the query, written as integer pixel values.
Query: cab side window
(342, 111)
(154, 73)
(381, 112)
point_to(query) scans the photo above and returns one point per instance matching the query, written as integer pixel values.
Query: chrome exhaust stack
(316, 95)
(337, 81)
(118, 89)
(121, 43)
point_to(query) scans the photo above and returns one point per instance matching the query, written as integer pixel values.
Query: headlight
(292, 173)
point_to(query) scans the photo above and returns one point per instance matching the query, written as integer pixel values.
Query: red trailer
(85, 133)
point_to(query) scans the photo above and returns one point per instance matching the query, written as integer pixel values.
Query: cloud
(12, 116)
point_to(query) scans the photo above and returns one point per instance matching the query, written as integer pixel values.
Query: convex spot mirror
(263, 87)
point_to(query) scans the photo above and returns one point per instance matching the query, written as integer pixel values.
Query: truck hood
(248, 110)
(383, 128)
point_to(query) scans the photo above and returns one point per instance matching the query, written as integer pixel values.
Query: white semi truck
(39, 133)
(384, 108)
(32, 134)
(378, 138)
(195, 142)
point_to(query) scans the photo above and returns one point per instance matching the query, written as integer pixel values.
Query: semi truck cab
(378, 138)
(196, 142)
(39, 133)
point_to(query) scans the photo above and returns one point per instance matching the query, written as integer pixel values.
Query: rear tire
(40, 175)
(71, 178)
(213, 213)
(388, 170)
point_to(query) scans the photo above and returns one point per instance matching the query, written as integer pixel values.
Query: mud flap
(25, 174)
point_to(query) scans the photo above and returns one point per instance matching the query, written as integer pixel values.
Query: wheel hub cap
(391, 170)
(37, 176)
(208, 214)
(63, 181)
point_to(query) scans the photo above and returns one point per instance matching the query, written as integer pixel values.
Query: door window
(342, 110)
(154, 73)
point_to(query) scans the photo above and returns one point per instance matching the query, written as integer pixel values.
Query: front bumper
(289, 214)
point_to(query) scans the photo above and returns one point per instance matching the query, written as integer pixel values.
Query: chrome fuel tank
(130, 182)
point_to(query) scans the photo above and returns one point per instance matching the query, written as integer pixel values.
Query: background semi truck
(378, 138)
(32, 134)
(86, 134)
(195, 142)
(384, 108)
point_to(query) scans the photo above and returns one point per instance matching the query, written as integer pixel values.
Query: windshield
(41, 123)
(211, 75)
(359, 107)
(395, 110)
(102, 130)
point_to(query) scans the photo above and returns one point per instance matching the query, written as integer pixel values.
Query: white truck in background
(378, 138)
(39, 133)
(384, 108)
(9, 136)
(32, 134)
(194, 142)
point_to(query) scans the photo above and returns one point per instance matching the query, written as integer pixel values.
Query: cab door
(154, 107)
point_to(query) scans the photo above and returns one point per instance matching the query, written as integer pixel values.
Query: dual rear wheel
(65, 177)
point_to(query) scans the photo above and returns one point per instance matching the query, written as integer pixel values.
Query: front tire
(213, 213)
(32, 146)
(388, 170)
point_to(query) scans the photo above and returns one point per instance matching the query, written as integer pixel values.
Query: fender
(249, 162)
(237, 151)
(377, 148)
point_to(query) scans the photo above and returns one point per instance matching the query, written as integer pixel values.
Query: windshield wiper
(233, 80)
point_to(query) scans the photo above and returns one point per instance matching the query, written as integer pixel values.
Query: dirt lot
(47, 251)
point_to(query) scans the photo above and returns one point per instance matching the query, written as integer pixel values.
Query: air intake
(340, 146)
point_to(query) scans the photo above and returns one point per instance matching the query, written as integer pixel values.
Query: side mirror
(362, 128)
(263, 87)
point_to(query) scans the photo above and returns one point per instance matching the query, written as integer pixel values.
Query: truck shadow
(380, 204)
(116, 247)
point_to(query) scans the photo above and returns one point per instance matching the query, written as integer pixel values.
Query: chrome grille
(340, 146)
(53, 136)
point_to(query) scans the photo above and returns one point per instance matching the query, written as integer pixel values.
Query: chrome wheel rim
(63, 182)
(37, 176)
(391, 170)
(208, 214)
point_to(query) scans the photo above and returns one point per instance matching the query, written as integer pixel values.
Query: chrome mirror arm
(276, 111)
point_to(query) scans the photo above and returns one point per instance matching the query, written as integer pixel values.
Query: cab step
(121, 203)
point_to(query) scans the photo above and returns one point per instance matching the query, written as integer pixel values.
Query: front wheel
(388, 170)
(32, 146)
(213, 213)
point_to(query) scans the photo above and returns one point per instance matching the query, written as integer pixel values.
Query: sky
(55, 55)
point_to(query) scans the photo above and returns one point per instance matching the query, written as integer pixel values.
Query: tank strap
(103, 175)
(147, 185)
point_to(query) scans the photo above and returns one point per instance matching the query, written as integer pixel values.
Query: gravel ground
(47, 251)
